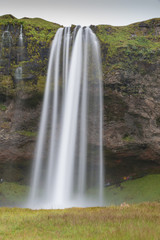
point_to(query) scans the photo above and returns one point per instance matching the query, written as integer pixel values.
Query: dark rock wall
(131, 68)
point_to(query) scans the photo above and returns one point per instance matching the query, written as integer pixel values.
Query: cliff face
(24, 52)
(131, 75)
(131, 67)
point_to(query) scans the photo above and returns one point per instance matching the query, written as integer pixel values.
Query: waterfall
(20, 45)
(18, 74)
(68, 164)
(6, 38)
(21, 37)
(19, 70)
(5, 49)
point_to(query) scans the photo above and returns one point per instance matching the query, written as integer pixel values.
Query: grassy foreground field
(126, 222)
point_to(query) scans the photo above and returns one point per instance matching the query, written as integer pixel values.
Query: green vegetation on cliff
(34, 28)
(125, 47)
(32, 57)
(134, 47)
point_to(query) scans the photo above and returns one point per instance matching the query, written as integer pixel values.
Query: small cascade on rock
(19, 69)
(68, 162)
(6, 38)
(18, 74)
(21, 37)
(20, 45)
(5, 53)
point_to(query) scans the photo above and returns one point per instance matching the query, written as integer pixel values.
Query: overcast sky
(84, 12)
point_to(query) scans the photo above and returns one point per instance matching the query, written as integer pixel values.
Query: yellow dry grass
(125, 222)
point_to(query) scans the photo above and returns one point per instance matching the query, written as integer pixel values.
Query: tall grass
(126, 222)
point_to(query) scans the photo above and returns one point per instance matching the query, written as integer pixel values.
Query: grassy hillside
(124, 47)
(37, 29)
(132, 191)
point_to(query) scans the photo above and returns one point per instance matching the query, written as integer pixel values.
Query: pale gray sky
(84, 12)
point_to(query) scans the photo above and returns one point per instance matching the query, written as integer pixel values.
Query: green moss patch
(27, 133)
(128, 138)
(3, 107)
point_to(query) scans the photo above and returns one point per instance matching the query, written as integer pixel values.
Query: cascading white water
(19, 69)
(6, 38)
(18, 74)
(21, 37)
(5, 49)
(68, 164)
